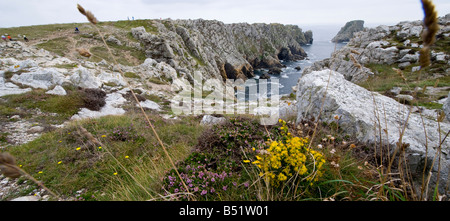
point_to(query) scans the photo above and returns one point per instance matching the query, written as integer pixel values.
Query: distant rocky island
(346, 32)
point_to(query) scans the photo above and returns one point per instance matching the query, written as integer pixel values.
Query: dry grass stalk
(91, 18)
(355, 62)
(94, 21)
(84, 52)
(400, 73)
(431, 27)
(9, 169)
(7, 166)
(436, 83)
(355, 52)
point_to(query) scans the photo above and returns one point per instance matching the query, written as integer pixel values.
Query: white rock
(58, 90)
(58, 61)
(407, 42)
(150, 105)
(23, 65)
(210, 120)
(396, 90)
(415, 69)
(113, 40)
(409, 58)
(9, 88)
(446, 107)
(84, 78)
(26, 198)
(441, 56)
(40, 78)
(405, 97)
(114, 78)
(36, 129)
(416, 31)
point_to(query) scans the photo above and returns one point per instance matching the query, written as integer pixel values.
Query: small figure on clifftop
(4, 38)
(25, 38)
(9, 38)
(76, 30)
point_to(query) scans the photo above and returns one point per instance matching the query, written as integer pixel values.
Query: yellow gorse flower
(288, 157)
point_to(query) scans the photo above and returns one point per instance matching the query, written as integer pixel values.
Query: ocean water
(321, 48)
(289, 76)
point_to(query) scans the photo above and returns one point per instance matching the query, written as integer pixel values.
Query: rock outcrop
(376, 120)
(446, 107)
(221, 51)
(397, 46)
(346, 32)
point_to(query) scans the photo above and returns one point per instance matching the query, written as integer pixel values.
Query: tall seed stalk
(93, 20)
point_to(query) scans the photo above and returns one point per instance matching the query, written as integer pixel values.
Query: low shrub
(94, 99)
(289, 159)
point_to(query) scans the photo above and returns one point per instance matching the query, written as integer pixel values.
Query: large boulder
(211, 120)
(41, 78)
(7, 88)
(83, 77)
(375, 119)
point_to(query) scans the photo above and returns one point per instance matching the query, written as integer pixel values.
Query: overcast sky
(301, 12)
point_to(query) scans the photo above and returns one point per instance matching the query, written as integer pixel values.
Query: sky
(305, 13)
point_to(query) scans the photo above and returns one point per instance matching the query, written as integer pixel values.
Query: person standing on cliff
(25, 38)
(4, 38)
(9, 38)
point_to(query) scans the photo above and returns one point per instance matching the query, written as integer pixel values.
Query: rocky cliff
(218, 50)
(396, 46)
(346, 32)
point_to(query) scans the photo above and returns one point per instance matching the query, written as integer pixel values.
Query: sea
(320, 49)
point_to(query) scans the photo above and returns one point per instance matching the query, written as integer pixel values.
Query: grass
(132, 75)
(56, 45)
(95, 170)
(64, 106)
(40, 31)
(159, 80)
(66, 66)
(100, 53)
(386, 78)
(132, 166)
(128, 25)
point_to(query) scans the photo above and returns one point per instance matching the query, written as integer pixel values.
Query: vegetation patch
(93, 99)
(132, 75)
(57, 45)
(66, 161)
(242, 160)
(386, 78)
